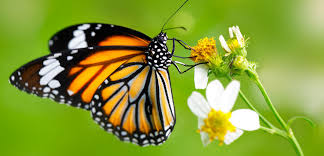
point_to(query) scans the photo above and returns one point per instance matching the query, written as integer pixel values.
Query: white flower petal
(232, 136)
(214, 93)
(198, 105)
(224, 44)
(203, 135)
(238, 35)
(200, 122)
(238, 32)
(204, 138)
(245, 119)
(201, 76)
(229, 96)
(230, 32)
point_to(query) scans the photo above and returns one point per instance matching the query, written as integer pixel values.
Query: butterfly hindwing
(96, 34)
(135, 103)
(72, 76)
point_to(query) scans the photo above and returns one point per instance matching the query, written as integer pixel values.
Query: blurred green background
(286, 39)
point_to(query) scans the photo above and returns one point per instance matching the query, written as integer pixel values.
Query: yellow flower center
(205, 50)
(217, 125)
(233, 44)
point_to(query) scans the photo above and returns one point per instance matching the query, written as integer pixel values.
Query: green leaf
(291, 120)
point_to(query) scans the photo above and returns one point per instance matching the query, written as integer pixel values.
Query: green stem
(263, 119)
(271, 106)
(275, 131)
(292, 139)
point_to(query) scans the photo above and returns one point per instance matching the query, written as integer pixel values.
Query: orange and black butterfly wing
(96, 34)
(135, 103)
(72, 76)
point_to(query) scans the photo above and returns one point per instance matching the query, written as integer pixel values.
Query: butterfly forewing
(96, 34)
(135, 104)
(72, 76)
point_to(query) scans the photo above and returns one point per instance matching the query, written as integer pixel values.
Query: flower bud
(240, 63)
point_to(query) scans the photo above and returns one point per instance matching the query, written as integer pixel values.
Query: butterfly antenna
(174, 14)
(183, 28)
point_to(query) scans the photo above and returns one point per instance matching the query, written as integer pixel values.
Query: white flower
(215, 119)
(232, 43)
(201, 76)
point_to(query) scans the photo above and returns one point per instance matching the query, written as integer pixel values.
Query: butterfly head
(162, 37)
(157, 52)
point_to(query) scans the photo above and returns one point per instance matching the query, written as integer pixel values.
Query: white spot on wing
(49, 61)
(79, 40)
(70, 92)
(99, 113)
(74, 51)
(77, 33)
(50, 43)
(46, 90)
(54, 84)
(98, 26)
(57, 54)
(84, 27)
(48, 67)
(50, 75)
(69, 58)
(54, 56)
(55, 92)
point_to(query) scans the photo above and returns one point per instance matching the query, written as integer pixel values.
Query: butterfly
(120, 75)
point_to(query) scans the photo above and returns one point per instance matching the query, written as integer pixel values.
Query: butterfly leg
(184, 57)
(182, 43)
(186, 65)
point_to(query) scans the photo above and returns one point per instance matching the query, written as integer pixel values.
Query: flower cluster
(215, 121)
(232, 62)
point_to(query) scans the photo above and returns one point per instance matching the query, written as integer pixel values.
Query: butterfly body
(120, 75)
(158, 54)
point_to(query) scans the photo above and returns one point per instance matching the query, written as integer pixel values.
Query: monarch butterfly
(120, 75)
